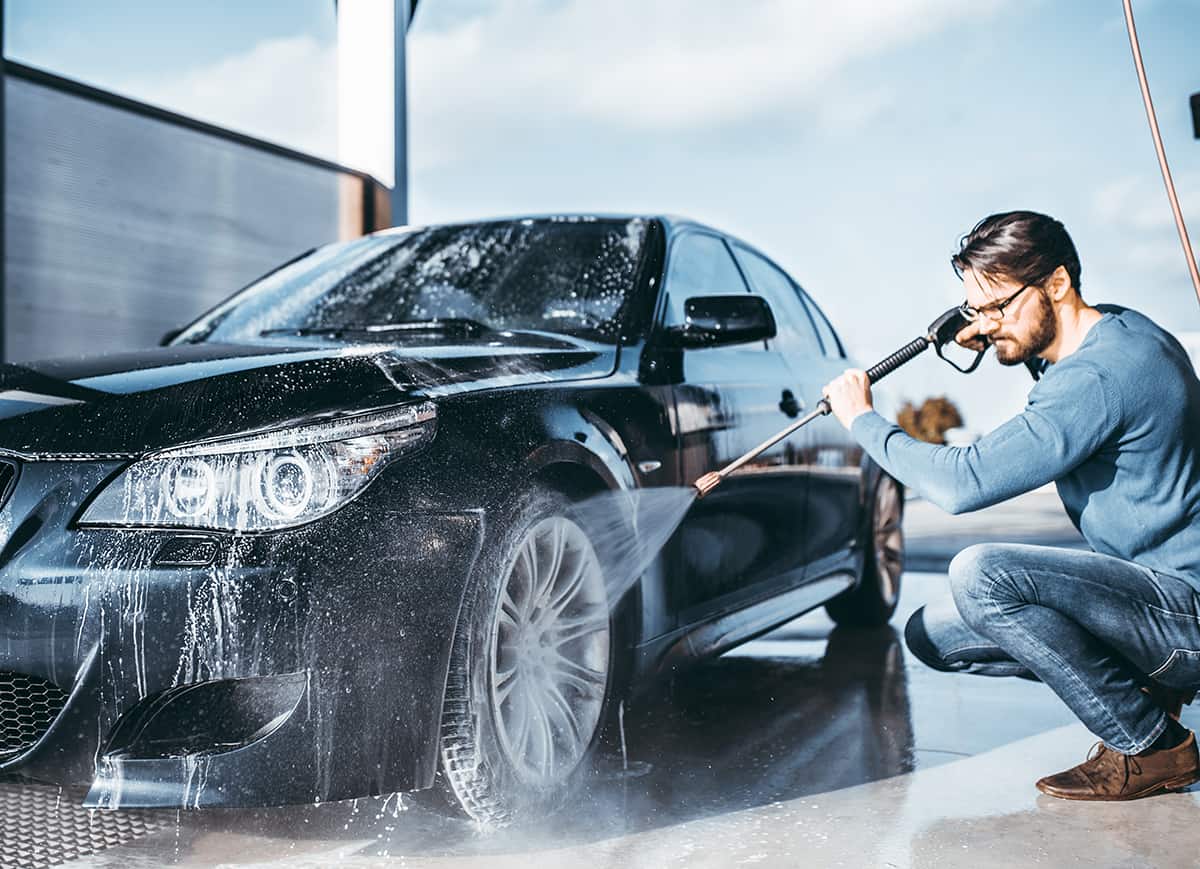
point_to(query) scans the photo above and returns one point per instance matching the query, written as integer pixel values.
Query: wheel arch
(583, 439)
(576, 481)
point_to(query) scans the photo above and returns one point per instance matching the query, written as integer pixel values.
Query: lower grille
(28, 706)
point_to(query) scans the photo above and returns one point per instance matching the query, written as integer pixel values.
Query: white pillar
(399, 114)
(372, 111)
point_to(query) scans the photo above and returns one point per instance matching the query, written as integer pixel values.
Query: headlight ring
(285, 485)
(189, 488)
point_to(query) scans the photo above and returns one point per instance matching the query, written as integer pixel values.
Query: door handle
(789, 404)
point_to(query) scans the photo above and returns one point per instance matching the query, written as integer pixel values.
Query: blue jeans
(1092, 627)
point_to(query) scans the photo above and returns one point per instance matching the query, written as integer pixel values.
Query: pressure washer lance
(940, 332)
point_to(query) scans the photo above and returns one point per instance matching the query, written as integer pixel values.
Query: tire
(872, 602)
(531, 667)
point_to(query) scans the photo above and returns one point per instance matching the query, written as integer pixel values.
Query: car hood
(132, 403)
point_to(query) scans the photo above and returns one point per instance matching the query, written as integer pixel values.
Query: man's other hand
(849, 395)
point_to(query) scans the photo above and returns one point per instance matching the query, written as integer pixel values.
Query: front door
(745, 540)
(823, 450)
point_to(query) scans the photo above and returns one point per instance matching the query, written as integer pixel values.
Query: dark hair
(1023, 246)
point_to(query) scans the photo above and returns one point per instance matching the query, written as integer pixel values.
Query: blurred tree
(931, 420)
(906, 418)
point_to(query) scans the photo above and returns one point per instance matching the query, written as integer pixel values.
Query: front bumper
(288, 667)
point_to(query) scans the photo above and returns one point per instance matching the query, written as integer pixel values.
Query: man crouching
(1114, 421)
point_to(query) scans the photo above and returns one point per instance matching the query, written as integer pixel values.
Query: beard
(1015, 351)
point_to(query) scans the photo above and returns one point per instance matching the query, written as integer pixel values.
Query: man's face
(1025, 327)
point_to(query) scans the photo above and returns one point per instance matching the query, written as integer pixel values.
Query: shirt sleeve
(1070, 415)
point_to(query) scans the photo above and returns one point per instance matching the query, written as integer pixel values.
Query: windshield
(567, 277)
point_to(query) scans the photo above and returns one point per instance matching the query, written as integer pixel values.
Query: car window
(829, 338)
(795, 333)
(700, 266)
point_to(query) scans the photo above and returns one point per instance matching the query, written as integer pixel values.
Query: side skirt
(674, 651)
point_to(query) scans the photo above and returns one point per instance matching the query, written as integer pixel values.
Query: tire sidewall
(864, 604)
(499, 794)
(872, 570)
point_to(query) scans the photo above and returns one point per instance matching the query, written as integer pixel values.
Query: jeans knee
(972, 572)
(916, 637)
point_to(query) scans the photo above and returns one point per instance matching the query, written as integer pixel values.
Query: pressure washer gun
(940, 333)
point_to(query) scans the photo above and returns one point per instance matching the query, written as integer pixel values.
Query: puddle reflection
(796, 714)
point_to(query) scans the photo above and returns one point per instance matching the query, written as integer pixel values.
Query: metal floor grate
(42, 827)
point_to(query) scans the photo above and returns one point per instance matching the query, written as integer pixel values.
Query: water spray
(940, 332)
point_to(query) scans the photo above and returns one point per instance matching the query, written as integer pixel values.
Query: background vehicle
(329, 541)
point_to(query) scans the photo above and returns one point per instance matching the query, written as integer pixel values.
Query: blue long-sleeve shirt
(1116, 425)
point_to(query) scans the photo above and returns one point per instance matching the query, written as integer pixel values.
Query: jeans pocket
(1181, 670)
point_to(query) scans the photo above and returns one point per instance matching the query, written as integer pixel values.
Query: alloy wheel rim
(550, 651)
(889, 538)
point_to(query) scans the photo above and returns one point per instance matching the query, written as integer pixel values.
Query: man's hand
(971, 336)
(849, 395)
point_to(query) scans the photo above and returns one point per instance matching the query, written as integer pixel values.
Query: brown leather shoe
(1110, 775)
(1171, 700)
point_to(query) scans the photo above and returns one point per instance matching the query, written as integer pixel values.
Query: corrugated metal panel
(121, 225)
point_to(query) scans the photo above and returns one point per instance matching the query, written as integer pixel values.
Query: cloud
(848, 111)
(523, 68)
(1136, 208)
(671, 65)
(283, 90)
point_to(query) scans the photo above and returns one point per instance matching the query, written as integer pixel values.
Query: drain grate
(42, 827)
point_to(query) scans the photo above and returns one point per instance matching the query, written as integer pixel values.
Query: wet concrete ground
(813, 746)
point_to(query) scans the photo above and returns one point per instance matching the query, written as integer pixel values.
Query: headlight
(266, 481)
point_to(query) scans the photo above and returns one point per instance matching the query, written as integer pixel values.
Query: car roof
(673, 223)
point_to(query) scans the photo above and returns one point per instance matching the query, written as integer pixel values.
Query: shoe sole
(1169, 785)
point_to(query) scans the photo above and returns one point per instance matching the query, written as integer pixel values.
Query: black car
(331, 540)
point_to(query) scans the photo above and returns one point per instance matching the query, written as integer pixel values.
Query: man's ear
(1058, 284)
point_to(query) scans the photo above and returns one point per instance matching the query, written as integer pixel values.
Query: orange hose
(1158, 147)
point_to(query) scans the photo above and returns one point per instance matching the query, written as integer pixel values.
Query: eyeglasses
(992, 310)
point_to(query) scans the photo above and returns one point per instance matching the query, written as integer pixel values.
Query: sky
(853, 142)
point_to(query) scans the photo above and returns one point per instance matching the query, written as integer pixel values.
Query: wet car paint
(364, 602)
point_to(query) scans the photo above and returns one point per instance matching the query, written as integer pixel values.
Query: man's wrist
(864, 422)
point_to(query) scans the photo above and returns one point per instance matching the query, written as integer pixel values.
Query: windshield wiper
(460, 325)
(303, 330)
(443, 324)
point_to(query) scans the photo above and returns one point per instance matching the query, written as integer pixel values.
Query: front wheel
(529, 676)
(873, 600)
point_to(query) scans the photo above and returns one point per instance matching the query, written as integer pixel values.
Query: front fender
(583, 438)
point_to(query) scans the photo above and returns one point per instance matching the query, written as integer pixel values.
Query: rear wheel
(530, 668)
(874, 599)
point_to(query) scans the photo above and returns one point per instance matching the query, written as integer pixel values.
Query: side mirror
(713, 321)
(168, 337)
(1195, 100)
